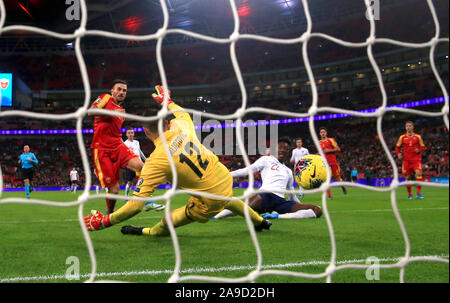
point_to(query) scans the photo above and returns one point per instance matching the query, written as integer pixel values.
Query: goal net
(314, 110)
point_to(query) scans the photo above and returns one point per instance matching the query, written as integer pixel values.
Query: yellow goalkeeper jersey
(197, 167)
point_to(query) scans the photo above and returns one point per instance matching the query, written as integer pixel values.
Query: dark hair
(118, 81)
(285, 140)
(409, 122)
(152, 126)
(298, 139)
(324, 128)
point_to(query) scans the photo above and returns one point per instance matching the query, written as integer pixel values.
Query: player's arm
(290, 186)
(335, 147)
(255, 167)
(398, 147)
(33, 159)
(141, 154)
(178, 111)
(100, 103)
(422, 146)
(292, 157)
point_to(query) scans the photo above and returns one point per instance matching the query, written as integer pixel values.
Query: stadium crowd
(360, 148)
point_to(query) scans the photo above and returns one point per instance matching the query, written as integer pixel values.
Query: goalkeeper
(197, 169)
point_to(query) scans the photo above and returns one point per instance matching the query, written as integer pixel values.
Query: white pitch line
(197, 270)
(159, 217)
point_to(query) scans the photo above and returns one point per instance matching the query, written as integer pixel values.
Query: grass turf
(36, 241)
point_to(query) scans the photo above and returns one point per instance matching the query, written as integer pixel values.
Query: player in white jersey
(130, 175)
(73, 180)
(131, 143)
(276, 178)
(298, 152)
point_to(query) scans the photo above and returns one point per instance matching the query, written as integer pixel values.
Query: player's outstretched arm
(177, 110)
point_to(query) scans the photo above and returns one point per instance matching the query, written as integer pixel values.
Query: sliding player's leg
(301, 211)
(194, 211)
(279, 208)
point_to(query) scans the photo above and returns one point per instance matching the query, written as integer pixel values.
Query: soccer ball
(310, 172)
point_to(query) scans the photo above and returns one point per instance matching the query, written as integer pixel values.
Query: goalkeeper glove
(97, 221)
(159, 97)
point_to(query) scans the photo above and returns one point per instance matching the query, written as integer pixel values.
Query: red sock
(409, 188)
(329, 193)
(110, 205)
(419, 188)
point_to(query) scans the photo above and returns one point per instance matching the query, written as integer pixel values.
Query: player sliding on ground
(413, 147)
(197, 169)
(276, 177)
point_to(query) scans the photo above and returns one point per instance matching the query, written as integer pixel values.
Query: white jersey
(73, 175)
(297, 154)
(275, 175)
(135, 147)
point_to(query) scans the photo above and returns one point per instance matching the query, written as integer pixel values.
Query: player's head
(323, 132)
(283, 148)
(26, 149)
(73, 168)
(299, 142)
(409, 126)
(130, 134)
(151, 127)
(119, 90)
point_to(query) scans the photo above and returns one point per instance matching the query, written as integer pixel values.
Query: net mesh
(314, 109)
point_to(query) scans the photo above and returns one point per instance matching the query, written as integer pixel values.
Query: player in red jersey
(413, 147)
(109, 152)
(330, 148)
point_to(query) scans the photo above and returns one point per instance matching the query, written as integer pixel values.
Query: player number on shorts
(184, 159)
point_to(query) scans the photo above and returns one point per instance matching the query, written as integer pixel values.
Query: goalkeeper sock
(418, 187)
(127, 211)
(238, 207)
(160, 229)
(299, 214)
(27, 189)
(409, 189)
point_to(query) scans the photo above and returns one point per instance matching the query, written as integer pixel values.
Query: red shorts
(108, 163)
(410, 167)
(336, 171)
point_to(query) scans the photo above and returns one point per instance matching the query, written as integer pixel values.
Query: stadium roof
(281, 18)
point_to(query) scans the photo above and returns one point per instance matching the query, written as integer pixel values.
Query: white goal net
(303, 38)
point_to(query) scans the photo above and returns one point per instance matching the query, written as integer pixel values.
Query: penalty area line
(197, 270)
(159, 217)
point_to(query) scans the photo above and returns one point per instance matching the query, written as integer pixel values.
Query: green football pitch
(37, 241)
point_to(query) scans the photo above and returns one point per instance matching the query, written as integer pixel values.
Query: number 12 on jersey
(190, 148)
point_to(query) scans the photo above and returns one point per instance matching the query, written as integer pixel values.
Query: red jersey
(329, 143)
(107, 134)
(410, 143)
